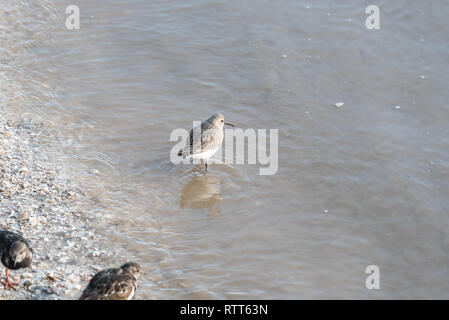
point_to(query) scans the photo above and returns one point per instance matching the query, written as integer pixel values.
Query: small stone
(23, 216)
(95, 267)
(397, 107)
(49, 290)
(50, 278)
(34, 220)
(27, 284)
(27, 276)
(72, 278)
(64, 259)
(339, 104)
(95, 253)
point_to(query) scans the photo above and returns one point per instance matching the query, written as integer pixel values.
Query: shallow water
(363, 184)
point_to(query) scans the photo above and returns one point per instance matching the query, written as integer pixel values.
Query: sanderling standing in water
(205, 140)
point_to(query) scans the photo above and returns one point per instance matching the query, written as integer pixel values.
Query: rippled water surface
(363, 184)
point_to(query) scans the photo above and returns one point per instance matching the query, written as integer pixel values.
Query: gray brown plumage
(205, 139)
(16, 253)
(113, 283)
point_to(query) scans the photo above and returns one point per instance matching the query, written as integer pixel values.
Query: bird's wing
(8, 237)
(192, 143)
(200, 141)
(97, 284)
(109, 284)
(4, 239)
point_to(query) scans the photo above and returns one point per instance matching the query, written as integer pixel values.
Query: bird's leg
(9, 284)
(206, 166)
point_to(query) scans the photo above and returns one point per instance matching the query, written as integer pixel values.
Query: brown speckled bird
(16, 253)
(113, 283)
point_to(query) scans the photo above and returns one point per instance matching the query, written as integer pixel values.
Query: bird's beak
(229, 124)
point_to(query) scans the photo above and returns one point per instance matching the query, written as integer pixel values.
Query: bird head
(132, 268)
(18, 251)
(218, 120)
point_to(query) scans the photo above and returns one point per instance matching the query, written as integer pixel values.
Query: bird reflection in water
(201, 192)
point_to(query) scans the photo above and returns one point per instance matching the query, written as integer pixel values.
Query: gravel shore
(38, 201)
(40, 196)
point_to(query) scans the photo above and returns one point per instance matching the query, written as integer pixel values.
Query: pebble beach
(39, 198)
(42, 198)
(49, 209)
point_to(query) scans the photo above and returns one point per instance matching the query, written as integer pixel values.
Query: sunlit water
(363, 184)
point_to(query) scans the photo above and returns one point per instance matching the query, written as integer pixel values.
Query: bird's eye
(222, 120)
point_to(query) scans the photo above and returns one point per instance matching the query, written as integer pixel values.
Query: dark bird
(16, 253)
(113, 283)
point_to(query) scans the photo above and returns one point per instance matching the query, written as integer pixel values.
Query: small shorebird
(205, 140)
(113, 283)
(16, 253)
